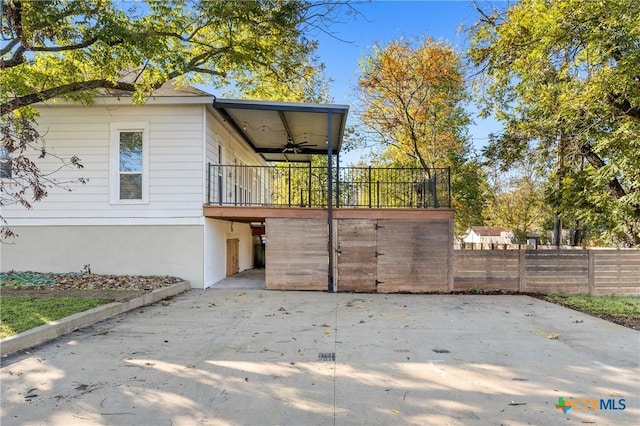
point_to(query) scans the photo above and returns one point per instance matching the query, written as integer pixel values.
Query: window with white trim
(129, 163)
(5, 163)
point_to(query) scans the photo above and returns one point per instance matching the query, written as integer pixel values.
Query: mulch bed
(111, 287)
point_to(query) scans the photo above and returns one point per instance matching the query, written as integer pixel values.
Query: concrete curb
(55, 329)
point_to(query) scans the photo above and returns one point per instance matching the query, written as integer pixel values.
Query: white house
(486, 235)
(141, 211)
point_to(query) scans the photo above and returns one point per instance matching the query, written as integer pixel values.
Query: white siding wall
(121, 238)
(217, 231)
(176, 169)
(472, 237)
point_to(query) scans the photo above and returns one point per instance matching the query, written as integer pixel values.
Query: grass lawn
(21, 313)
(624, 310)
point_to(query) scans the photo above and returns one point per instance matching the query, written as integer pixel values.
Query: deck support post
(309, 183)
(289, 181)
(338, 179)
(330, 284)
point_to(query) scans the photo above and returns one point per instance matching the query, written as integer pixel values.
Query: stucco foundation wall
(175, 250)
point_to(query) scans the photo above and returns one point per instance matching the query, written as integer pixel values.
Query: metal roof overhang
(285, 131)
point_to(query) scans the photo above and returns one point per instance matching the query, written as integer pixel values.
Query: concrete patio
(253, 357)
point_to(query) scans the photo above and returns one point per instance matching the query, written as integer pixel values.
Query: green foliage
(563, 77)
(68, 49)
(469, 191)
(412, 95)
(21, 313)
(301, 185)
(517, 200)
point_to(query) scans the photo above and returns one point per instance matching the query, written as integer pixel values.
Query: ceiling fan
(295, 148)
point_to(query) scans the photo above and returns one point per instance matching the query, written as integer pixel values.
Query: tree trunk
(557, 221)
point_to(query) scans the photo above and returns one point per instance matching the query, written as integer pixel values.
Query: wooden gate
(356, 255)
(390, 256)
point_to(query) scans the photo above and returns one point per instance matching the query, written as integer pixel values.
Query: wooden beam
(400, 214)
(257, 214)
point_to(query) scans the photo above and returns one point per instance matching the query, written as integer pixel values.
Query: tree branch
(598, 163)
(81, 45)
(65, 89)
(16, 59)
(625, 106)
(9, 46)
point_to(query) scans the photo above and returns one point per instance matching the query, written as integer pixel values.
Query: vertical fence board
(413, 256)
(296, 254)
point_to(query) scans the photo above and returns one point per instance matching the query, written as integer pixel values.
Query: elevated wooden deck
(260, 214)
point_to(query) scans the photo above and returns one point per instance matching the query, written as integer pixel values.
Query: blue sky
(383, 21)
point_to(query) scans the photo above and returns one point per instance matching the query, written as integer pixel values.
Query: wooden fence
(593, 271)
(371, 255)
(393, 252)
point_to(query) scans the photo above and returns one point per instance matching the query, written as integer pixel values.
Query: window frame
(5, 157)
(114, 161)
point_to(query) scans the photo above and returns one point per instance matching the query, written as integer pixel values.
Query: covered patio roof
(286, 131)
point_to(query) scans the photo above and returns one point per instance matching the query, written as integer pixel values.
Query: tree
(64, 49)
(517, 200)
(412, 95)
(21, 181)
(67, 49)
(563, 76)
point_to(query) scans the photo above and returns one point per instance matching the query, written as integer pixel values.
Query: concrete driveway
(255, 357)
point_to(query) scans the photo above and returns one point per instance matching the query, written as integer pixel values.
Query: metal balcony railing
(293, 185)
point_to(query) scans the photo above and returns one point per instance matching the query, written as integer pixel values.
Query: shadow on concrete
(254, 357)
(251, 279)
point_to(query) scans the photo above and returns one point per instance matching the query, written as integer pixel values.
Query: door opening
(233, 256)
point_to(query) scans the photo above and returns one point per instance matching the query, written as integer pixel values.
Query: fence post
(592, 272)
(522, 280)
(451, 272)
(434, 189)
(221, 188)
(449, 185)
(369, 185)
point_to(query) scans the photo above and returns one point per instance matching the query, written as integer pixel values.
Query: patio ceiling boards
(285, 131)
